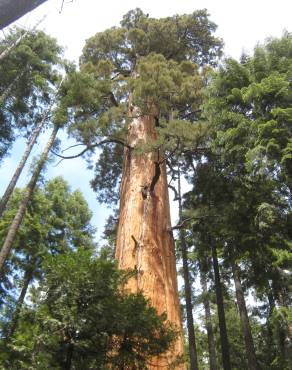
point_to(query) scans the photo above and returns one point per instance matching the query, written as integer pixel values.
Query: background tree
(57, 220)
(29, 75)
(81, 318)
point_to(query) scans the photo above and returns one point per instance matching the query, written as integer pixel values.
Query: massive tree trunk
(144, 241)
(249, 345)
(187, 288)
(208, 320)
(6, 248)
(5, 198)
(11, 10)
(221, 312)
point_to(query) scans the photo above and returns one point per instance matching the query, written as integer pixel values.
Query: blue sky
(241, 24)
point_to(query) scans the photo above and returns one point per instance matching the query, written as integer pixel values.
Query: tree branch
(106, 141)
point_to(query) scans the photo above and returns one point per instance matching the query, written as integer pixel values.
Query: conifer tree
(138, 85)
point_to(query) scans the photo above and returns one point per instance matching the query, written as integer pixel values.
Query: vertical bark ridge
(143, 239)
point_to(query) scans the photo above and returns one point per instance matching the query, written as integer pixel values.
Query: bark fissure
(142, 239)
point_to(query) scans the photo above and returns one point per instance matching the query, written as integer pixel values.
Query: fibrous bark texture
(144, 241)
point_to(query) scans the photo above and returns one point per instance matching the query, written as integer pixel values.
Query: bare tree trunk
(11, 10)
(69, 356)
(9, 190)
(221, 312)
(187, 288)
(6, 248)
(17, 42)
(144, 242)
(9, 88)
(208, 321)
(249, 345)
(26, 281)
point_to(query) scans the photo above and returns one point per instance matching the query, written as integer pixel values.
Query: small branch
(176, 197)
(107, 141)
(72, 146)
(179, 226)
(170, 153)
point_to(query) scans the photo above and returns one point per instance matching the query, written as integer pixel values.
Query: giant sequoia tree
(139, 86)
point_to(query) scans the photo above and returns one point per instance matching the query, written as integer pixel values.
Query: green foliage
(57, 220)
(80, 311)
(158, 66)
(28, 75)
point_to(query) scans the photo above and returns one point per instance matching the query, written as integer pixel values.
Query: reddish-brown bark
(144, 241)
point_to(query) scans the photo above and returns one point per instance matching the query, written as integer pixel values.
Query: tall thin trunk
(6, 248)
(28, 275)
(144, 241)
(9, 190)
(11, 47)
(221, 312)
(9, 88)
(187, 287)
(208, 320)
(249, 345)
(69, 356)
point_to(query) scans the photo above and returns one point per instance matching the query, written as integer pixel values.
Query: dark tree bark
(187, 288)
(11, 10)
(6, 248)
(28, 276)
(69, 356)
(249, 345)
(208, 321)
(9, 190)
(221, 314)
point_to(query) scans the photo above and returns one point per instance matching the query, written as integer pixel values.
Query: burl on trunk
(144, 242)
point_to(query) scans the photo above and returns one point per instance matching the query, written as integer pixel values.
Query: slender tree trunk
(9, 190)
(11, 47)
(4, 253)
(208, 320)
(187, 288)
(17, 42)
(221, 312)
(249, 345)
(9, 88)
(69, 356)
(26, 281)
(144, 241)
(11, 10)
